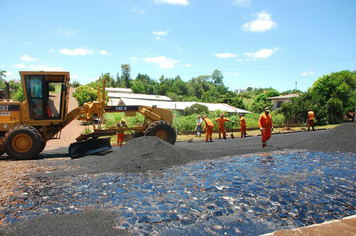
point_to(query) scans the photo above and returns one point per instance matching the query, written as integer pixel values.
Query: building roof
(284, 97)
(119, 90)
(175, 105)
(139, 96)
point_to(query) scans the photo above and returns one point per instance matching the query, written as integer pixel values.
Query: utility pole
(296, 86)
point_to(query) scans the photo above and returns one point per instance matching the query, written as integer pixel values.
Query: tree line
(332, 97)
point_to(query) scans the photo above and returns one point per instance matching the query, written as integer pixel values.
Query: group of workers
(209, 127)
(265, 125)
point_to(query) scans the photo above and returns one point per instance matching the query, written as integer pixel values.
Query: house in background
(127, 98)
(277, 101)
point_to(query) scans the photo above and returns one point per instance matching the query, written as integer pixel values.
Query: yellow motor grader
(26, 126)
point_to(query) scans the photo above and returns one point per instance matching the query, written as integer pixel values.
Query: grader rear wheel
(162, 130)
(22, 142)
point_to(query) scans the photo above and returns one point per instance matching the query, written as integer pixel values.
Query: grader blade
(88, 147)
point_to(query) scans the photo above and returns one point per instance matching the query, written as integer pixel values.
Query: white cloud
(75, 52)
(263, 53)
(22, 65)
(51, 50)
(66, 32)
(188, 65)
(135, 59)
(237, 74)
(239, 60)
(104, 53)
(225, 55)
(242, 2)
(262, 23)
(160, 34)
(136, 9)
(27, 58)
(307, 73)
(163, 62)
(8, 73)
(45, 68)
(179, 2)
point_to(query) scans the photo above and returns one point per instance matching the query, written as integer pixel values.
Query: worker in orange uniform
(209, 127)
(266, 126)
(221, 125)
(310, 119)
(243, 126)
(121, 134)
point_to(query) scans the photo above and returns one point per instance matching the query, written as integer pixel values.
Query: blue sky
(260, 43)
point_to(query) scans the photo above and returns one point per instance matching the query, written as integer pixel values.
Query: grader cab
(25, 127)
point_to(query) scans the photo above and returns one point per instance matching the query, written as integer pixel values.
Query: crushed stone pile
(341, 138)
(147, 153)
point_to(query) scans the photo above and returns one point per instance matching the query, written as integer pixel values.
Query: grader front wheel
(162, 130)
(22, 142)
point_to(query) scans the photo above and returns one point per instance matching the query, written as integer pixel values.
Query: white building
(118, 97)
(279, 100)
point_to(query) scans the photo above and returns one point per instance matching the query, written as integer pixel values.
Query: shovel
(232, 130)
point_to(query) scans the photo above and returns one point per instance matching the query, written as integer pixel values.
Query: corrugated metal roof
(176, 105)
(284, 97)
(119, 90)
(139, 96)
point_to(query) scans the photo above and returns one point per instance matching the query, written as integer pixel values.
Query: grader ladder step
(88, 147)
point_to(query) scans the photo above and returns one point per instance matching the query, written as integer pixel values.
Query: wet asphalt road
(274, 188)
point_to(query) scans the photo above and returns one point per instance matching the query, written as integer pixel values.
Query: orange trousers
(266, 134)
(120, 138)
(209, 134)
(223, 132)
(310, 123)
(243, 131)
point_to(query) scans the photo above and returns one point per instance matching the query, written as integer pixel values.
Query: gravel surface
(147, 154)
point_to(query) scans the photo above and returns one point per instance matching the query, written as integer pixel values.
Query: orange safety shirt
(243, 121)
(310, 115)
(221, 122)
(208, 122)
(265, 121)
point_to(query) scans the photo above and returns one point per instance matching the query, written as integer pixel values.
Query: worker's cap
(267, 109)
(123, 120)
(198, 116)
(221, 114)
(204, 117)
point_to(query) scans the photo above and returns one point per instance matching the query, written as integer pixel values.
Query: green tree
(335, 95)
(18, 95)
(232, 99)
(197, 86)
(260, 102)
(137, 87)
(179, 86)
(297, 109)
(126, 75)
(217, 77)
(2, 74)
(109, 80)
(147, 82)
(75, 84)
(85, 94)
(196, 109)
